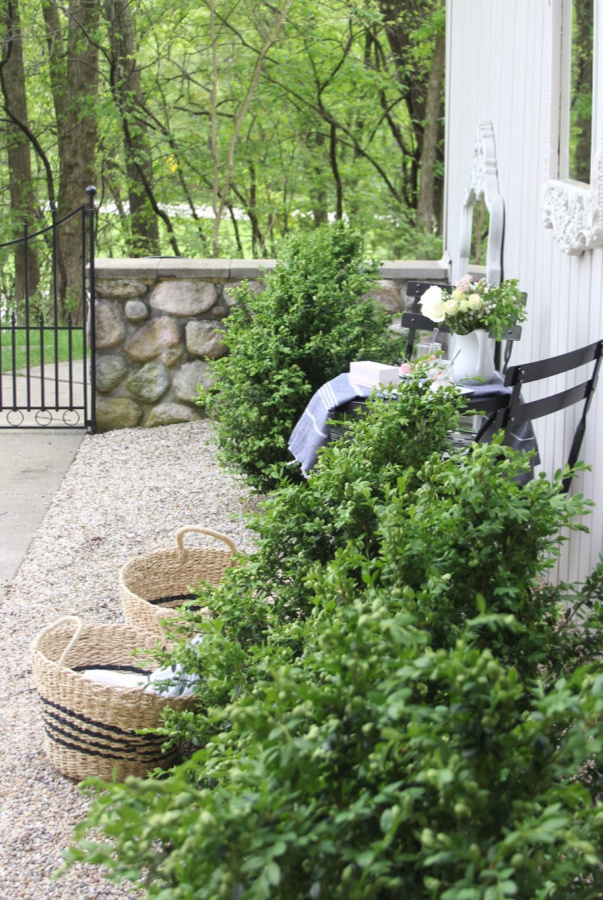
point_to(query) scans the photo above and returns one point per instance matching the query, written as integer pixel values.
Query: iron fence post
(91, 211)
(27, 336)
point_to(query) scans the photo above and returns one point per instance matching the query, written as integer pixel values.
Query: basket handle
(199, 530)
(78, 628)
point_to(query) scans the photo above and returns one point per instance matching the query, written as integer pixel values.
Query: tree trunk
(57, 65)
(74, 79)
(402, 18)
(126, 88)
(258, 246)
(336, 175)
(319, 200)
(21, 188)
(427, 217)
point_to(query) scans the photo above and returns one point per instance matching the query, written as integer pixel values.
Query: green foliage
(472, 538)
(474, 305)
(305, 328)
(391, 704)
(581, 89)
(446, 541)
(336, 120)
(577, 629)
(304, 524)
(372, 765)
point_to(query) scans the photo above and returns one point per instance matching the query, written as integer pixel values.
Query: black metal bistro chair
(518, 412)
(415, 321)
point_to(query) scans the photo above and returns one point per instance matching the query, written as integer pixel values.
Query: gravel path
(126, 493)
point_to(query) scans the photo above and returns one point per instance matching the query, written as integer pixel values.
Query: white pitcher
(473, 357)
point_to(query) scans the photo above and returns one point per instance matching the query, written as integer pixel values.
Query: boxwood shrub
(391, 702)
(312, 319)
(370, 765)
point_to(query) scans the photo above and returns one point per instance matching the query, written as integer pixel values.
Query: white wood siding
(498, 69)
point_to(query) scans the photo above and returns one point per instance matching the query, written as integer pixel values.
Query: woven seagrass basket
(152, 587)
(91, 728)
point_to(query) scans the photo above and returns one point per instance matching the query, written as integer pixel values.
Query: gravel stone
(126, 493)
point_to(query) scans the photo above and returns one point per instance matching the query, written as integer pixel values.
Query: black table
(341, 394)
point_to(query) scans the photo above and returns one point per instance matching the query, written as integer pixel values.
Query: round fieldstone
(120, 289)
(188, 378)
(136, 311)
(110, 330)
(387, 295)
(153, 339)
(184, 298)
(170, 414)
(109, 372)
(117, 412)
(149, 383)
(171, 356)
(203, 339)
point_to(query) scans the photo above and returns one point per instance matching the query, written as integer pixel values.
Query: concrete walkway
(55, 387)
(33, 464)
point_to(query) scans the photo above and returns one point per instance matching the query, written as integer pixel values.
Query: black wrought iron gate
(47, 363)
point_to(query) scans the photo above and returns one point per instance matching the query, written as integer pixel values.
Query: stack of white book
(371, 374)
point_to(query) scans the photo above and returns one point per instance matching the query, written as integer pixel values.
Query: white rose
(432, 304)
(451, 306)
(475, 302)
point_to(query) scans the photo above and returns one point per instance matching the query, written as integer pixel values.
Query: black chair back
(518, 412)
(415, 321)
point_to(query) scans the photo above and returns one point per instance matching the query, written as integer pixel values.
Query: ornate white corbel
(575, 211)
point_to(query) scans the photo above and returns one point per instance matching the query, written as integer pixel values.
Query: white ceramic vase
(473, 357)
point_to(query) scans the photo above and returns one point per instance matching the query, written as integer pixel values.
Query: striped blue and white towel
(312, 432)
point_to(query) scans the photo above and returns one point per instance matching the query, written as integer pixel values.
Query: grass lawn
(34, 346)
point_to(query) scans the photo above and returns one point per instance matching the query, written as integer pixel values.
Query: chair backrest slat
(416, 289)
(556, 365)
(546, 406)
(422, 323)
(518, 412)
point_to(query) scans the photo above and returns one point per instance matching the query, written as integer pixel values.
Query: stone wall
(158, 324)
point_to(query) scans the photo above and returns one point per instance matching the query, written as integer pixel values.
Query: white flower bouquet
(473, 305)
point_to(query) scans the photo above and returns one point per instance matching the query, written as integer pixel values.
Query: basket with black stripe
(153, 586)
(93, 728)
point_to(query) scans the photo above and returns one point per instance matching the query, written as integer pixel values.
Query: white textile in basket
(169, 681)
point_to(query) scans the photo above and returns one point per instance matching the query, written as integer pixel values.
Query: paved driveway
(33, 464)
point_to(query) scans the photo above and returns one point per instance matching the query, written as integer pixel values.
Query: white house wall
(498, 69)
